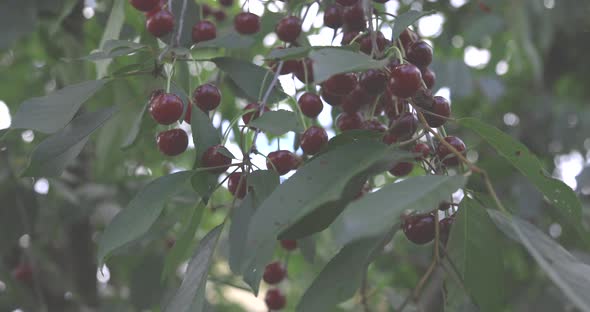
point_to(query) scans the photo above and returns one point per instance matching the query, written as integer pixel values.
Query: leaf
(332, 60)
(112, 49)
(406, 19)
(52, 155)
(569, 274)
(204, 134)
(473, 245)
(288, 53)
(375, 212)
(52, 112)
(112, 31)
(16, 20)
(204, 184)
(196, 275)
(131, 137)
(250, 78)
(278, 122)
(229, 40)
(141, 213)
(308, 248)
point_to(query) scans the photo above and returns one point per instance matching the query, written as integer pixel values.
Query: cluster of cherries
(274, 273)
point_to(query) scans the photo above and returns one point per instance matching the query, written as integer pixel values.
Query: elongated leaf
(278, 122)
(228, 40)
(473, 245)
(330, 61)
(141, 213)
(114, 48)
(204, 134)
(135, 128)
(196, 275)
(111, 32)
(406, 19)
(568, 273)
(52, 112)
(204, 184)
(288, 53)
(374, 213)
(52, 155)
(308, 248)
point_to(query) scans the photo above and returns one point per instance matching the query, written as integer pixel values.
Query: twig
(364, 302)
(181, 22)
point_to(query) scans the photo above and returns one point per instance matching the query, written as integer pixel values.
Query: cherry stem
(364, 287)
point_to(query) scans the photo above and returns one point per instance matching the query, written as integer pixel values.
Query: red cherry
(282, 161)
(446, 155)
(236, 184)
(419, 228)
(207, 10)
(423, 99)
(340, 84)
(313, 139)
(274, 273)
(334, 100)
(346, 2)
(203, 31)
(373, 81)
(440, 107)
(289, 244)
(247, 23)
(374, 125)
(172, 142)
(419, 53)
(389, 138)
(393, 63)
(303, 67)
(160, 23)
(161, 4)
(354, 17)
(213, 158)
(275, 300)
(429, 77)
(355, 100)
(144, 5)
(444, 228)
(405, 80)
(311, 105)
(407, 37)
(226, 3)
(288, 28)
(23, 273)
(166, 108)
(405, 125)
(348, 36)
(444, 206)
(207, 97)
(346, 121)
(156, 93)
(187, 115)
(333, 16)
(219, 15)
(401, 169)
(423, 149)
(247, 117)
(366, 43)
(289, 66)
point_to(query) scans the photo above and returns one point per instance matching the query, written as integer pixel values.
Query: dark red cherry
(422, 149)
(389, 138)
(214, 158)
(354, 17)
(419, 53)
(226, 3)
(334, 100)
(236, 184)
(160, 23)
(444, 228)
(441, 109)
(396, 108)
(311, 105)
(446, 155)
(247, 23)
(274, 273)
(355, 100)
(407, 37)
(274, 299)
(313, 139)
(203, 31)
(373, 81)
(23, 273)
(166, 108)
(367, 43)
(340, 84)
(333, 16)
(444, 206)
(404, 126)
(172, 142)
(144, 5)
(247, 117)
(346, 121)
(282, 161)
(288, 28)
(393, 63)
(187, 115)
(304, 68)
(207, 10)
(289, 244)
(405, 80)
(346, 2)
(429, 77)
(419, 228)
(402, 169)
(374, 125)
(207, 97)
(348, 36)
(423, 99)
(219, 15)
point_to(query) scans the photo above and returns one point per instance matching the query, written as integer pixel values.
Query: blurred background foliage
(521, 65)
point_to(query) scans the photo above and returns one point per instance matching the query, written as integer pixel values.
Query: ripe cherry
(311, 105)
(333, 16)
(373, 81)
(374, 125)
(160, 23)
(444, 228)
(214, 158)
(340, 84)
(236, 184)
(304, 70)
(366, 43)
(407, 37)
(354, 18)
(346, 121)
(356, 99)
(23, 273)
(274, 273)
(404, 126)
(289, 66)
(206, 10)
(441, 110)
(166, 108)
(346, 2)
(334, 100)
(275, 300)
(288, 28)
(423, 99)
(226, 3)
(402, 169)
(405, 80)
(247, 117)
(423, 149)
(419, 228)
(389, 138)
(172, 142)
(203, 31)
(282, 161)
(219, 15)
(419, 53)
(313, 139)
(144, 5)
(429, 77)
(207, 97)
(247, 23)
(348, 36)
(446, 155)
(289, 244)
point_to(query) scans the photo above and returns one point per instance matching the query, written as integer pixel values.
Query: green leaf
(111, 32)
(228, 40)
(17, 18)
(204, 134)
(250, 78)
(114, 48)
(569, 274)
(194, 282)
(204, 184)
(288, 53)
(330, 61)
(308, 248)
(406, 19)
(473, 245)
(52, 155)
(133, 133)
(278, 122)
(52, 112)
(375, 212)
(141, 213)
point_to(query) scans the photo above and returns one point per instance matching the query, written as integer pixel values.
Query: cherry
(340, 84)
(236, 184)
(172, 142)
(419, 228)
(423, 99)
(23, 273)
(144, 5)
(442, 110)
(247, 117)
(189, 112)
(355, 100)
(348, 36)
(367, 43)
(446, 155)
(226, 3)
(311, 105)
(346, 121)
(213, 158)
(203, 31)
(334, 100)
(405, 80)
(160, 23)
(393, 63)
(275, 300)
(166, 108)
(333, 16)
(374, 125)
(429, 77)
(288, 28)
(303, 67)
(313, 139)
(274, 273)
(354, 17)
(219, 15)
(206, 10)
(247, 23)
(444, 228)
(207, 97)
(156, 93)
(289, 244)
(169, 242)
(405, 125)
(401, 169)
(419, 53)
(282, 161)
(407, 37)
(444, 206)
(373, 81)
(346, 2)
(289, 66)
(389, 138)
(423, 149)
